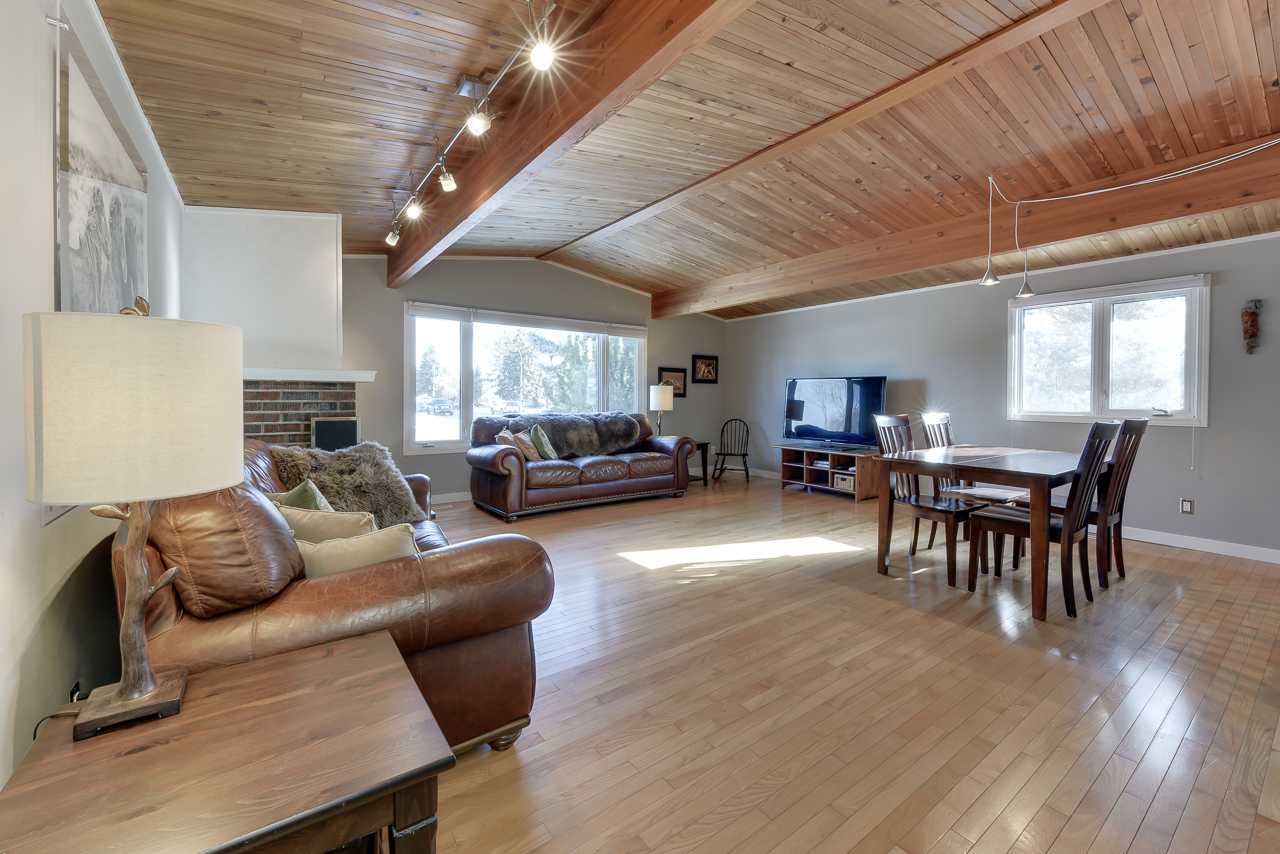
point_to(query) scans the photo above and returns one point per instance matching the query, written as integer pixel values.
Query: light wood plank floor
(739, 699)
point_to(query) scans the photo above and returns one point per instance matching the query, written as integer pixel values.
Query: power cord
(35, 732)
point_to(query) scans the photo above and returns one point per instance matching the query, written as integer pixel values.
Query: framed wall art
(675, 376)
(706, 369)
(102, 198)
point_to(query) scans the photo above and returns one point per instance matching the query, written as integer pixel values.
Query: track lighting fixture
(542, 56)
(478, 122)
(989, 278)
(413, 210)
(393, 236)
(446, 181)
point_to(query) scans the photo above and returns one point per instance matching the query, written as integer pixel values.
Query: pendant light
(989, 278)
(1025, 291)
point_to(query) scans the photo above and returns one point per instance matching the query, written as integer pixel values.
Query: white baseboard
(765, 473)
(1201, 544)
(449, 497)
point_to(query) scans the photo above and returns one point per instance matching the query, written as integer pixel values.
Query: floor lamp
(662, 398)
(122, 411)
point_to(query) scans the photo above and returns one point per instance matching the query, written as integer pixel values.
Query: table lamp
(122, 411)
(662, 398)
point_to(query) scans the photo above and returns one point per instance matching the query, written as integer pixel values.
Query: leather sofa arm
(499, 459)
(672, 446)
(429, 600)
(420, 486)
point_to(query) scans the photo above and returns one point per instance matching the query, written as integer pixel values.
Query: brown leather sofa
(504, 483)
(460, 615)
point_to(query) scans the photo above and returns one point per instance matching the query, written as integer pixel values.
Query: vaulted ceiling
(748, 157)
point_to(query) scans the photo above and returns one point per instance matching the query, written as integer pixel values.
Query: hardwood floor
(729, 700)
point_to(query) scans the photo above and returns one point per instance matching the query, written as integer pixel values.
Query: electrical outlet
(74, 696)
(1186, 507)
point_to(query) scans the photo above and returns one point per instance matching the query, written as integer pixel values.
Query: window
(1127, 351)
(461, 364)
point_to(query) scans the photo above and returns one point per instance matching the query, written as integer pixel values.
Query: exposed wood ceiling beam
(630, 46)
(1250, 180)
(1033, 26)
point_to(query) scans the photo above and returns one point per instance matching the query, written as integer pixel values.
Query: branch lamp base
(104, 708)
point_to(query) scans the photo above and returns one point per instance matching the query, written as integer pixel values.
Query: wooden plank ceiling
(326, 105)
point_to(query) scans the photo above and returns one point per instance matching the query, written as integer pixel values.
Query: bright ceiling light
(413, 210)
(542, 56)
(393, 237)
(478, 122)
(447, 183)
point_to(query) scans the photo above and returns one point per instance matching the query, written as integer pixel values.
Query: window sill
(1154, 420)
(413, 449)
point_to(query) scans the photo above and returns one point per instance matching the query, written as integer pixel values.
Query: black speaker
(330, 434)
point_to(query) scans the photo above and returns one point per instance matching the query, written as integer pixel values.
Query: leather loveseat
(504, 483)
(460, 615)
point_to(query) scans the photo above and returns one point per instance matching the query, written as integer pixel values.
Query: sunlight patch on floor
(736, 554)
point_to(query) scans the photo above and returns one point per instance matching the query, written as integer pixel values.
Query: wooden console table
(300, 752)
(852, 471)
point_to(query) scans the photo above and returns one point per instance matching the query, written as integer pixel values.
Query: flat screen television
(838, 410)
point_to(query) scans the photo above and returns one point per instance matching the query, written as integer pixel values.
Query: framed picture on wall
(675, 376)
(101, 259)
(706, 369)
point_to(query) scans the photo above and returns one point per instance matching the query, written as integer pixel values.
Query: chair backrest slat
(734, 436)
(937, 434)
(1085, 481)
(893, 435)
(1122, 457)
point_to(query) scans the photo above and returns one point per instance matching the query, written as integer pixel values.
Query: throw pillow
(316, 526)
(340, 555)
(305, 495)
(506, 437)
(362, 477)
(525, 443)
(540, 441)
(232, 549)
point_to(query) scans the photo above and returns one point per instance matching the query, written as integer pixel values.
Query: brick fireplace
(280, 411)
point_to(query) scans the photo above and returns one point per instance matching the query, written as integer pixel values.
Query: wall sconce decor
(1249, 316)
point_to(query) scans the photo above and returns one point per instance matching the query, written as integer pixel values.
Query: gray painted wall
(373, 322)
(946, 349)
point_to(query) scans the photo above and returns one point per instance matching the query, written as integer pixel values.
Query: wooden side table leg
(415, 829)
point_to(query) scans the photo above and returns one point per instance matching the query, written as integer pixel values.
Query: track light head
(393, 236)
(447, 183)
(413, 210)
(989, 278)
(479, 122)
(542, 56)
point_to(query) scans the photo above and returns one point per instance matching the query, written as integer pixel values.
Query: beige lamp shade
(662, 398)
(122, 408)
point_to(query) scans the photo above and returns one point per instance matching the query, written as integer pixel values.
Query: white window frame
(466, 317)
(1196, 288)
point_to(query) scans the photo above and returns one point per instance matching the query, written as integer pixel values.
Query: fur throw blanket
(362, 477)
(577, 435)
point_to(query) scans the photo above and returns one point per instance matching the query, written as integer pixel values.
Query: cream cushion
(340, 555)
(316, 526)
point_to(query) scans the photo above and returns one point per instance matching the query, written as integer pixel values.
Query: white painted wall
(57, 614)
(945, 349)
(275, 274)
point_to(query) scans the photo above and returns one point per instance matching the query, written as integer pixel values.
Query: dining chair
(893, 434)
(1069, 527)
(938, 434)
(1107, 512)
(734, 438)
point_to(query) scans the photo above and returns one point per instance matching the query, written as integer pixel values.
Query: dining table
(1039, 472)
